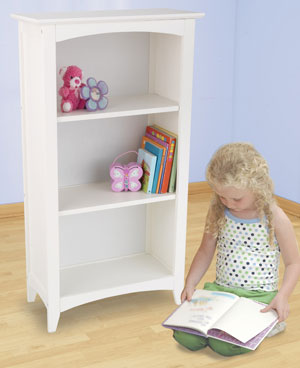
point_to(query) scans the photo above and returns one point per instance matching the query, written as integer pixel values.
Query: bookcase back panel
(131, 63)
(86, 149)
(102, 235)
(120, 59)
(167, 121)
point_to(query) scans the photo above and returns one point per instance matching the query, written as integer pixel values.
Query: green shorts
(195, 342)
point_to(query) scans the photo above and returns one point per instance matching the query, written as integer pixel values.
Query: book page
(202, 311)
(244, 320)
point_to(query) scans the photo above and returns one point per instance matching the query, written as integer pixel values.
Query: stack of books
(158, 157)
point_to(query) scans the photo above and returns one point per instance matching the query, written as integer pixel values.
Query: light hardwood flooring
(124, 331)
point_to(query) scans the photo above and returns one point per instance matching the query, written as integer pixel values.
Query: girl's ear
(62, 71)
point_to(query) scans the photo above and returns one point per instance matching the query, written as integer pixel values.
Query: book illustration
(159, 151)
(201, 308)
(146, 186)
(205, 304)
(174, 137)
(148, 163)
(223, 316)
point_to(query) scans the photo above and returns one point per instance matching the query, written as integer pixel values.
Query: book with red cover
(171, 141)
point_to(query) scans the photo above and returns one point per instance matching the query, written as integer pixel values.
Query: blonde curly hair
(241, 166)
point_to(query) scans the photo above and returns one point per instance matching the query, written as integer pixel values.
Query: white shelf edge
(161, 198)
(120, 106)
(106, 16)
(94, 197)
(153, 276)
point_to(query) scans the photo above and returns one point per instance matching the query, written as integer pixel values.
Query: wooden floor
(123, 331)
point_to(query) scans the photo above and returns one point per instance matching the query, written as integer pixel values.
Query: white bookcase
(83, 241)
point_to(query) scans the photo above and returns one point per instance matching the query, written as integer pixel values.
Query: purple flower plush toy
(94, 93)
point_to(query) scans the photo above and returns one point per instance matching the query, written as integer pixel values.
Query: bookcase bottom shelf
(89, 282)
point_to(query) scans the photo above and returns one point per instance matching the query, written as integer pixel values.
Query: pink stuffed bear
(70, 92)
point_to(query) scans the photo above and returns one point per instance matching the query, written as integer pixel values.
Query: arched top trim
(68, 31)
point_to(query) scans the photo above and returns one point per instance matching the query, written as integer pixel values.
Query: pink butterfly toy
(125, 177)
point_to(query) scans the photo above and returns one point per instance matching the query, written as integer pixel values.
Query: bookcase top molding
(107, 16)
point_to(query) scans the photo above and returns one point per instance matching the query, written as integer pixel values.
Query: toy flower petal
(85, 92)
(103, 87)
(91, 82)
(102, 103)
(91, 105)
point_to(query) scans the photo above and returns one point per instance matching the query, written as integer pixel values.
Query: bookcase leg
(177, 294)
(31, 293)
(53, 315)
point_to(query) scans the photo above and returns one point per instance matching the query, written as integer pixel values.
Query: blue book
(159, 141)
(157, 150)
(148, 163)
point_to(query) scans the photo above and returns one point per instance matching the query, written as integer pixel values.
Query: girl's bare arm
(199, 266)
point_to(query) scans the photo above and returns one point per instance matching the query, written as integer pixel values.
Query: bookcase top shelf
(119, 106)
(106, 16)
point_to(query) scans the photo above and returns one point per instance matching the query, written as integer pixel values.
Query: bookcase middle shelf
(119, 106)
(98, 196)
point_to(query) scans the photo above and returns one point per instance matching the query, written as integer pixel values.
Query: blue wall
(246, 83)
(267, 87)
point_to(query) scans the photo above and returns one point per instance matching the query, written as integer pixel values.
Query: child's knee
(190, 341)
(225, 348)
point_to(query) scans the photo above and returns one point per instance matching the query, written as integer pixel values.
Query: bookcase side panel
(164, 68)
(34, 192)
(184, 128)
(161, 232)
(38, 123)
(51, 174)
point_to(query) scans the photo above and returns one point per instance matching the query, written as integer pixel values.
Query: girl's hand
(187, 293)
(280, 305)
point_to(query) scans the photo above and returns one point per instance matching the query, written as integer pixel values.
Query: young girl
(249, 232)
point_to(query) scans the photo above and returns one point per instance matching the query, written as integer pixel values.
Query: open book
(223, 316)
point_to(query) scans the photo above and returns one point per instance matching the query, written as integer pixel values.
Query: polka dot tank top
(244, 257)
